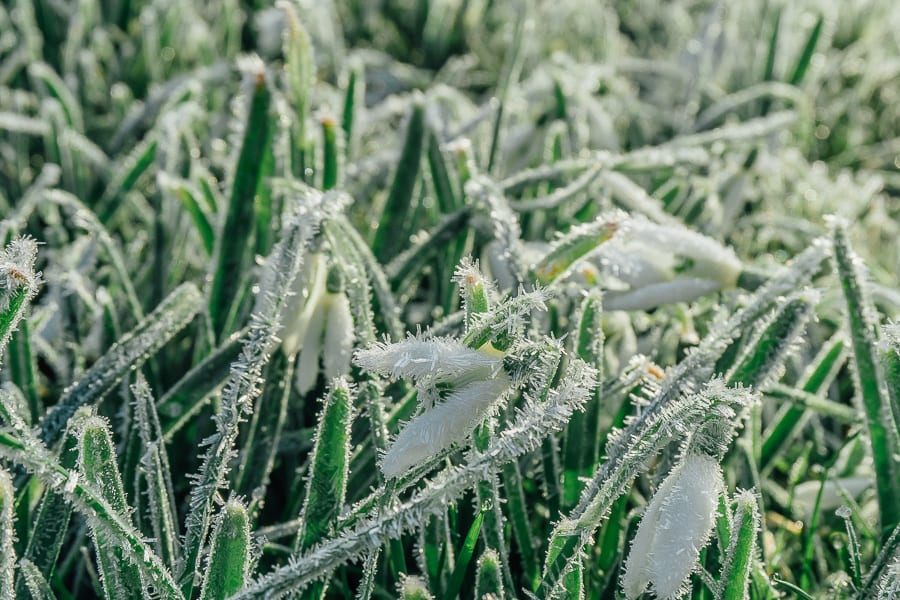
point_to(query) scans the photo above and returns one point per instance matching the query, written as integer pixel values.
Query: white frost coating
(430, 361)
(446, 423)
(339, 336)
(675, 527)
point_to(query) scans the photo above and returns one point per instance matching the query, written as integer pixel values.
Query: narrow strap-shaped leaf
(97, 464)
(464, 556)
(413, 588)
(126, 174)
(54, 512)
(326, 488)
(388, 240)
(233, 245)
(869, 378)
(265, 428)
(352, 99)
(488, 579)
(156, 472)
(408, 265)
(301, 71)
(229, 553)
(35, 586)
(129, 353)
(189, 196)
(331, 153)
(805, 58)
(7, 535)
(735, 580)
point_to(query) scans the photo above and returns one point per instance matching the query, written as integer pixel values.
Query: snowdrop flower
(675, 527)
(318, 323)
(663, 264)
(458, 387)
(833, 495)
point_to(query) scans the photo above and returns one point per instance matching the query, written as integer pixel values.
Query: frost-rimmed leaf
(154, 466)
(7, 535)
(97, 464)
(18, 284)
(35, 583)
(575, 244)
(735, 580)
(229, 553)
(869, 377)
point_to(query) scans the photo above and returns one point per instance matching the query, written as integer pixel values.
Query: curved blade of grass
(17, 269)
(188, 196)
(125, 175)
(233, 246)
(129, 353)
(52, 521)
(869, 378)
(97, 464)
(229, 554)
(806, 55)
(157, 473)
(735, 579)
(388, 240)
(464, 557)
(35, 586)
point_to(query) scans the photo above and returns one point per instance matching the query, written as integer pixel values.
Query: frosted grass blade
(7, 535)
(869, 378)
(488, 579)
(229, 553)
(735, 579)
(97, 464)
(35, 586)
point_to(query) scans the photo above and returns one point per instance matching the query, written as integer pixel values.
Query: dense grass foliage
(449, 299)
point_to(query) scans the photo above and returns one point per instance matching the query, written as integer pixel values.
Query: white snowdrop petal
(339, 335)
(308, 362)
(651, 296)
(684, 522)
(806, 493)
(446, 423)
(307, 289)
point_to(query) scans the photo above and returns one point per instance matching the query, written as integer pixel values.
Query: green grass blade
(869, 378)
(517, 507)
(157, 473)
(326, 489)
(331, 153)
(301, 73)
(97, 464)
(464, 557)
(189, 196)
(735, 579)
(129, 353)
(229, 554)
(388, 240)
(35, 586)
(488, 578)
(823, 371)
(233, 245)
(126, 175)
(808, 50)
(22, 369)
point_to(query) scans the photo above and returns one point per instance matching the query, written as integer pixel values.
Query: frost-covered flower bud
(655, 264)
(675, 527)
(458, 387)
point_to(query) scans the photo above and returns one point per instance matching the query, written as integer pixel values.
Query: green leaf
(735, 579)
(488, 578)
(577, 243)
(97, 464)
(464, 557)
(229, 554)
(35, 586)
(233, 247)
(869, 378)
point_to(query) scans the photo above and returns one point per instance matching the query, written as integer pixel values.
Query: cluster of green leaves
(182, 164)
